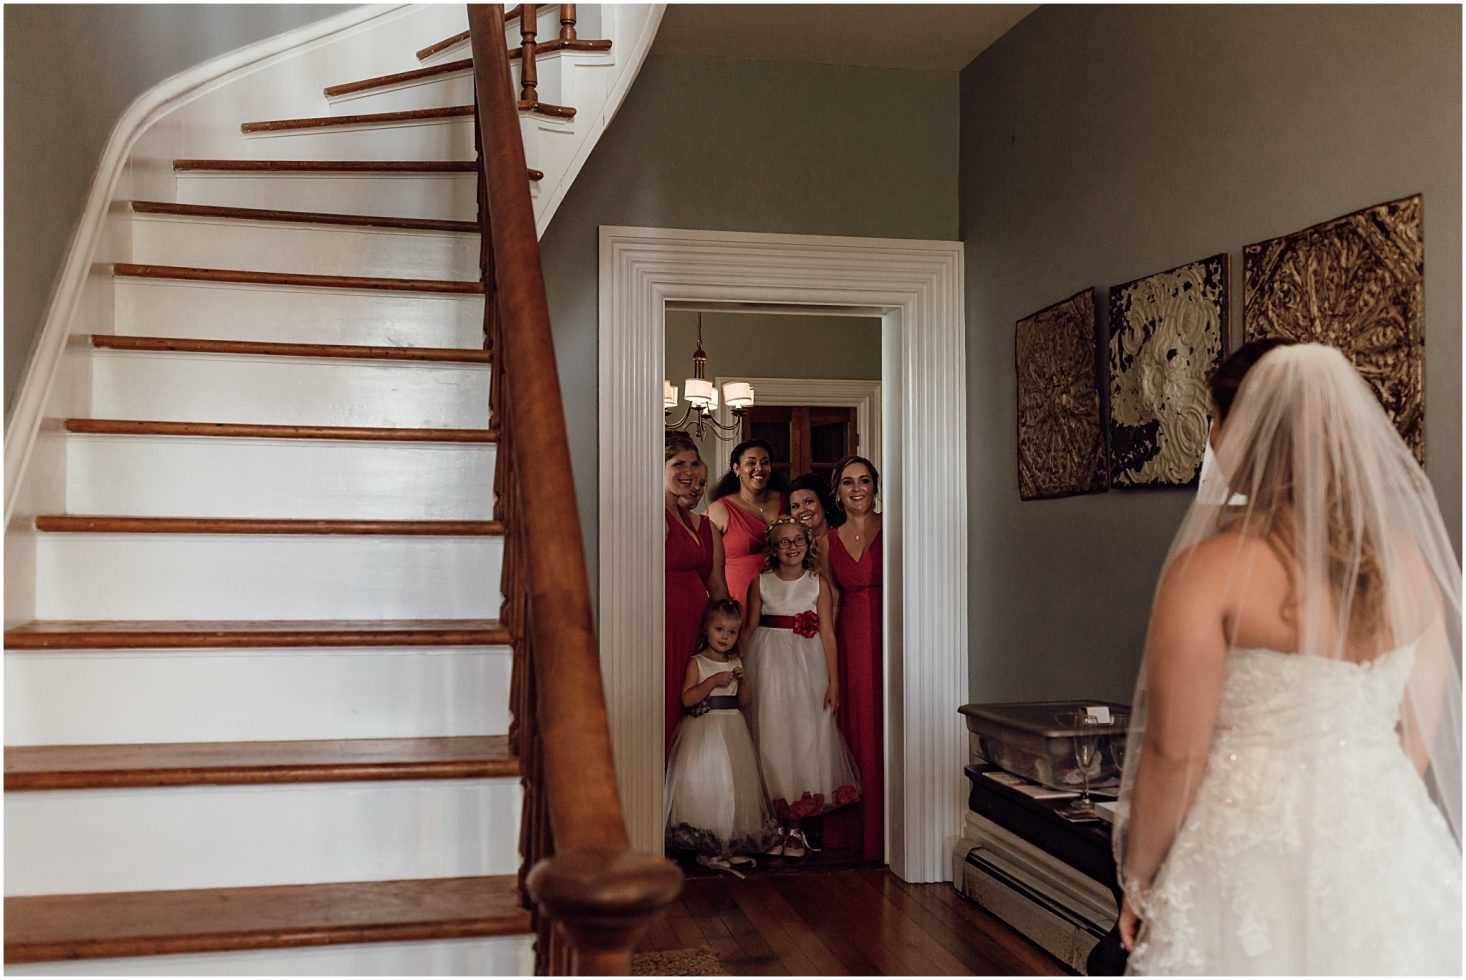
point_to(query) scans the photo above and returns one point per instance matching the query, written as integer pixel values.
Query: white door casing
(918, 287)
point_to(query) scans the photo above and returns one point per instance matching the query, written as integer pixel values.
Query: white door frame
(917, 287)
(863, 396)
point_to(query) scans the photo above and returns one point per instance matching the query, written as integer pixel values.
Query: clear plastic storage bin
(1035, 740)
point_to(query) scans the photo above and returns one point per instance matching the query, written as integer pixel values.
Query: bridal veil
(1309, 468)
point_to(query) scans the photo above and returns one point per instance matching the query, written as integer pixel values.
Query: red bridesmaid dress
(689, 563)
(861, 716)
(743, 550)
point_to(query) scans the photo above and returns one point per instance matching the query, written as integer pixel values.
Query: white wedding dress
(1312, 847)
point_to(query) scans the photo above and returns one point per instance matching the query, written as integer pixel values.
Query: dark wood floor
(835, 920)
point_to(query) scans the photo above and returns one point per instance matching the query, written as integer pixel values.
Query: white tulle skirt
(807, 767)
(714, 797)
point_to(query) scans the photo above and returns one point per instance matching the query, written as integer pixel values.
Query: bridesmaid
(809, 504)
(855, 562)
(694, 568)
(744, 502)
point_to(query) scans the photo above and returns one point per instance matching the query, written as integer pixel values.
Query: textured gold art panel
(1356, 283)
(1167, 335)
(1061, 442)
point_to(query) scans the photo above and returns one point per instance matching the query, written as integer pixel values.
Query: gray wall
(1101, 144)
(745, 146)
(70, 73)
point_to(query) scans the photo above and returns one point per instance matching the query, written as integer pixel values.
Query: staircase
(257, 698)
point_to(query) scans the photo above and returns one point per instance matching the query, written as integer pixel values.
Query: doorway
(915, 288)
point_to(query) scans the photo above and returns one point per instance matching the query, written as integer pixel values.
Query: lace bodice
(1311, 845)
(1298, 702)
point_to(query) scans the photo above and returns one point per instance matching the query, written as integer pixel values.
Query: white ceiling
(936, 37)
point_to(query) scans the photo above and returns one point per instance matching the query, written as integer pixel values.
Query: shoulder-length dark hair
(816, 485)
(729, 483)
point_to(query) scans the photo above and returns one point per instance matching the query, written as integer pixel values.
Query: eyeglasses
(789, 544)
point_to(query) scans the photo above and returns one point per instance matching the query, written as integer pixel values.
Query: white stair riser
(284, 246)
(170, 476)
(553, 71)
(297, 314)
(428, 139)
(493, 957)
(70, 842)
(266, 576)
(450, 195)
(436, 92)
(432, 139)
(91, 697)
(264, 389)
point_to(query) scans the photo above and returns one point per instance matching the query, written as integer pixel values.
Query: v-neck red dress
(743, 550)
(689, 563)
(861, 715)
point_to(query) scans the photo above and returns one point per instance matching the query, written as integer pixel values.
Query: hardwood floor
(842, 921)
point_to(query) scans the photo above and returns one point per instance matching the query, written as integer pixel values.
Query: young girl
(714, 797)
(806, 765)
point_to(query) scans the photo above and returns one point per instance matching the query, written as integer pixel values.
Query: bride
(1292, 791)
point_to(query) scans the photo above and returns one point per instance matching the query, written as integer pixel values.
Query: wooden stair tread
(338, 166)
(303, 217)
(145, 634)
(241, 430)
(453, 67)
(51, 767)
(192, 274)
(360, 119)
(397, 78)
(203, 920)
(103, 523)
(185, 345)
(385, 118)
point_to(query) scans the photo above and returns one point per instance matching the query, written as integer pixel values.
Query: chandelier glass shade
(702, 397)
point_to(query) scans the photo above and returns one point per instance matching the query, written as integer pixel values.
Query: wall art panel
(1356, 283)
(1061, 443)
(1167, 334)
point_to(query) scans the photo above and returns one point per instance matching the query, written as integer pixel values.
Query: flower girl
(806, 764)
(714, 798)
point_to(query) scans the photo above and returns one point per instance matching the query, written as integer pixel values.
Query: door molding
(916, 287)
(862, 395)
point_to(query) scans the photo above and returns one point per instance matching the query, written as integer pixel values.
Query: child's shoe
(794, 845)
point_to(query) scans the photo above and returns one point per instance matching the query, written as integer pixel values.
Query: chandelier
(702, 397)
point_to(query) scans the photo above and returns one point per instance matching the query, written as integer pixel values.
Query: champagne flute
(1086, 750)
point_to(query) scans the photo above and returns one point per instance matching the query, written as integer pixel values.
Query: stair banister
(594, 894)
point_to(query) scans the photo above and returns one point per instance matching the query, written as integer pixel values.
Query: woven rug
(699, 961)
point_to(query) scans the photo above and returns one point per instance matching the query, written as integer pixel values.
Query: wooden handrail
(594, 894)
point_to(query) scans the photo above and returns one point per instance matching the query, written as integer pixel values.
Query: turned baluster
(528, 76)
(567, 21)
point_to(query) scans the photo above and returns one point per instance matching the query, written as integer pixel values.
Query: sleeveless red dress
(860, 717)
(743, 549)
(689, 563)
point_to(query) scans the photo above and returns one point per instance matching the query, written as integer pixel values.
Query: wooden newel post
(567, 21)
(603, 900)
(529, 78)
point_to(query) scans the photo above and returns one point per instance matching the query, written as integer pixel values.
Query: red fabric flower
(808, 805)
(846, 795)
(807, 623)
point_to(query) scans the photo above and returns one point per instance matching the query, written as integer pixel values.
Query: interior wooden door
(805, 438)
